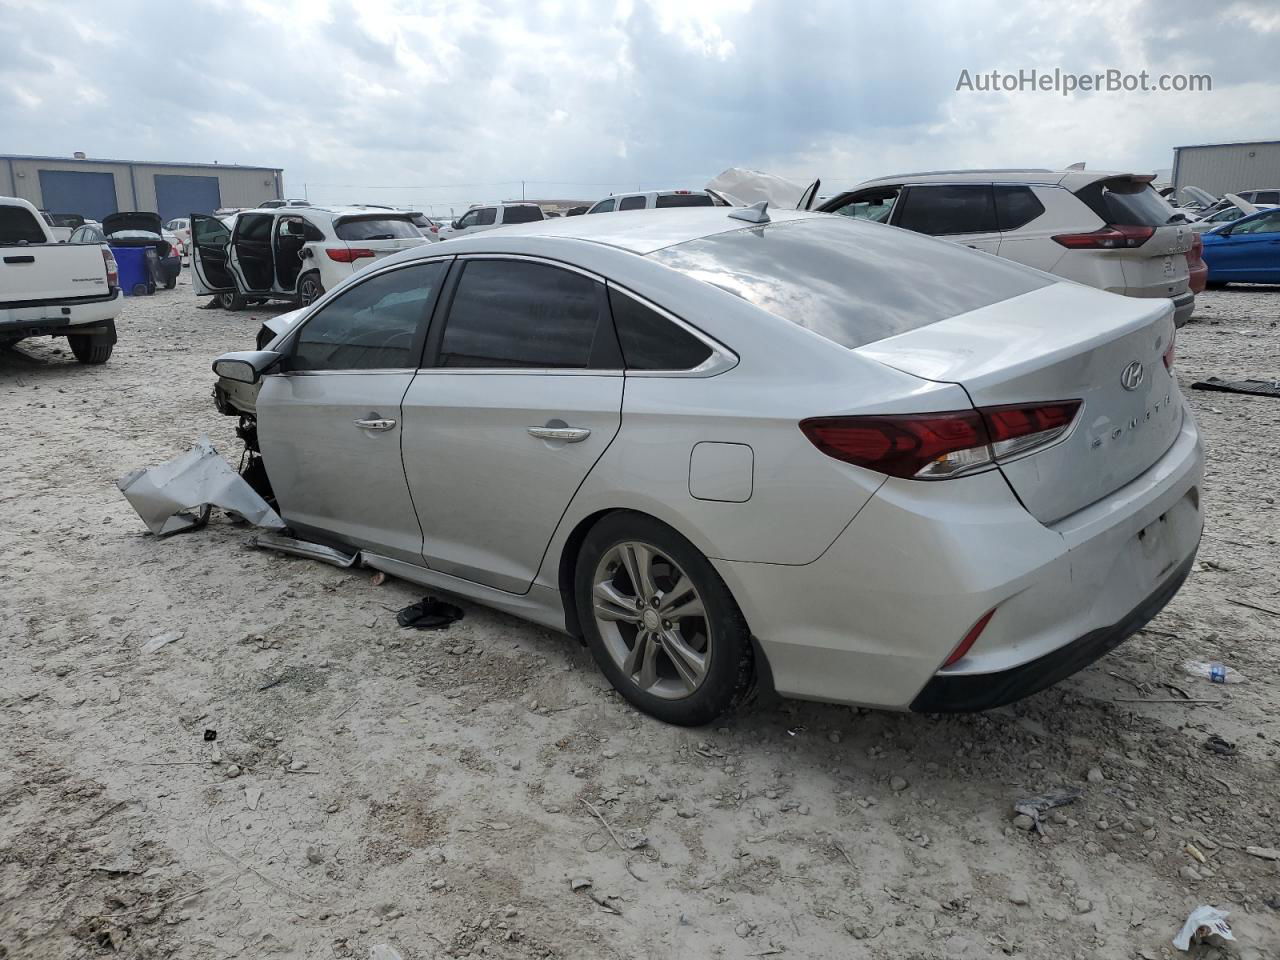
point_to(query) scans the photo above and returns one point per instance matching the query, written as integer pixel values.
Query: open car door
(210, 243)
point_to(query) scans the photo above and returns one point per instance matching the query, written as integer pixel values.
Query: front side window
(876, 207)
(208, 231)
(949, 209)
(375, 228)
(604, 206)
(521, 214)
(371, 326)
(468, 219)
(631, 203)
(513, 313)
(650, 341)
(1267, 223)
(486, 216)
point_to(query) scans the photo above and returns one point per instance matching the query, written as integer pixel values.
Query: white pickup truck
(51, 289)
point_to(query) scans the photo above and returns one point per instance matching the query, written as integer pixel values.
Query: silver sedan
(726, 446)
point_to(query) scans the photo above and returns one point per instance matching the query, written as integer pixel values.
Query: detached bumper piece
(968, 693)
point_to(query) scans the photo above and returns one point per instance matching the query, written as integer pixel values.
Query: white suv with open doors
(291, 253)
(1107, 230)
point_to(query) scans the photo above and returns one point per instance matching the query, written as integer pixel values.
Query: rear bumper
(872, 620)
(985, 691)
(57, 318)
(1183, 307)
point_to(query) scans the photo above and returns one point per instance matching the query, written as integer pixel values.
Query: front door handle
(375, 424)
(567, 434)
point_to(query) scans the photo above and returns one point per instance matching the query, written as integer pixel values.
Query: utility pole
(521, 189)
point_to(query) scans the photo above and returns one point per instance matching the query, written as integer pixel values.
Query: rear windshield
(684, 200)
(521, 215)
(18, 225)
(1127, 203)
(850, 281)
(376, 228)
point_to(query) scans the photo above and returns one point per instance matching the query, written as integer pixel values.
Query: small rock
(61, 670)
(686, 813)
(1094, 775)
(437, 884)
(1190, 873)
(298, 765)
(515, 764)
(897, 784)
(834, 736)
(331, 808)
(609, 754)
(665, 796)
(1102, 824)
(1019, 896)
(743, 929)
(315, 854)
(509, 911)
(1023, 822)
(232, 771)
(769, 795)
(251, 797)
(1082, 905)
(856, 930)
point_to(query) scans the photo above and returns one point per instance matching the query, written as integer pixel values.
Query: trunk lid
(131, 220)
(1061, 342)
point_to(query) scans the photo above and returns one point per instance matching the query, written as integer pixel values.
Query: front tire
(88, 349)
(310, 289)
(660, 623)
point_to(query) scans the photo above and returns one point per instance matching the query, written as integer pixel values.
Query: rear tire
(683, 652)
(310, 289)
(171, 283)
(230, 301)
(88, 349)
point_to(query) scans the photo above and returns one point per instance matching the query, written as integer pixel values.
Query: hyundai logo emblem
(1131, 377)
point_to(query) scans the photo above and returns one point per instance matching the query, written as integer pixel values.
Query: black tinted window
(1126, 203)
(510, 313)
(604, 206)
(850, 281)
(1268, 196)
(372, 325)
(254, 227)
(950, 208)
(1016, 207)
(684, 200)
(527, 214)
(631, 203)
(17, 224)
(652, 342)
(486, 217)
(376, 228)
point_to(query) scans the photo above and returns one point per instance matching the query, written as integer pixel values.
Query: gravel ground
(446, 793)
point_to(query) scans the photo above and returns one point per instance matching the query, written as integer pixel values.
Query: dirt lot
(371, 785)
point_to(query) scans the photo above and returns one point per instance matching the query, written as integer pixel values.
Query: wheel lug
(666, 624)
(653, 601)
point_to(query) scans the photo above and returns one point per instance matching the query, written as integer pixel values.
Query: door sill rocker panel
(540, 605)
(305, 548)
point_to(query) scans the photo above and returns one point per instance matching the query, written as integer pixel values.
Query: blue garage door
(92, 195)
(177, 196)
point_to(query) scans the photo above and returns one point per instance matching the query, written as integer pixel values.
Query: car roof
(1072, 179)
(351, 210)
(638, 231)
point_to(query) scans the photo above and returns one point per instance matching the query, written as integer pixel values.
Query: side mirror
(456, 224)
(245, 366)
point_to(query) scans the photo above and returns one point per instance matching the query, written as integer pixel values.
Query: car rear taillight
(348, 254)
(935, 446)
(1168, 354)
(113, 271)
(1110, 237)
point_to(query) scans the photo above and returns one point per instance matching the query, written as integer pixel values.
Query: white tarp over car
(752, 186)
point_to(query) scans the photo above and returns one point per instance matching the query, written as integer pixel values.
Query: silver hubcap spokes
(652, 620)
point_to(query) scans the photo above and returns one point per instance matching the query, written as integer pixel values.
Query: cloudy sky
(441, 102)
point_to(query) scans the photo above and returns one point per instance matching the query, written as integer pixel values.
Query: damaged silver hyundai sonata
(845, 460)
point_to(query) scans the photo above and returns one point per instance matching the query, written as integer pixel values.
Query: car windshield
(376, 228)
(849, 281)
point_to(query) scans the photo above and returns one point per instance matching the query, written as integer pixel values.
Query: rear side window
(604, 206)
(1016, 206)
(512, 313)
(851, 282)
(652, 342)
(948, 208)
(1268, 196)
(17, 225)
(1126, 203)
(684, 200)
(523, 214)
(371, 326)
(631, 203)
(376, 228)
(254, 227)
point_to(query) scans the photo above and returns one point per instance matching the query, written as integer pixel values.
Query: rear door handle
(376, 424)
(567, 434)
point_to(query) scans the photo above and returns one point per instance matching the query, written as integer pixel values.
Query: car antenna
(756, 213)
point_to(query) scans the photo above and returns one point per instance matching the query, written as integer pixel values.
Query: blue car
(1247, 251)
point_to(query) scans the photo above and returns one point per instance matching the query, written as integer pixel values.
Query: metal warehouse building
(1227, 167)
(94, 188)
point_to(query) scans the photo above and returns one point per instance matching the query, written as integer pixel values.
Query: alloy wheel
(652, 620)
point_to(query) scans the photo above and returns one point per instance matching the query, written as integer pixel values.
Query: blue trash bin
(132, 264)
